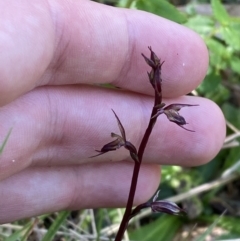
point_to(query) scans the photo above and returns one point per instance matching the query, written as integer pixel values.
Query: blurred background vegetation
(210, 193)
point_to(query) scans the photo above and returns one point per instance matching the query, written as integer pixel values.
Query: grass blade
(56, 225)
(5, 141)
(210, 229)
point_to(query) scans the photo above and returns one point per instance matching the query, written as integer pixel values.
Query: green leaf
(209, 230)
(219, 95)
(208, 170)
(100, 214)
(55, 225)
(228, 237)
(212, 88)
(5, 141)
(232, 114)
(163, 229)
(235, 64)
(220, 12)
(226, 222)
(218, 54)
(231, 37)
(125, 3)
(232, 158)
(211, 82)
(201, 24)
(162, 8)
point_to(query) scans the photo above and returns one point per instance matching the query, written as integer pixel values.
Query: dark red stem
(128, 211)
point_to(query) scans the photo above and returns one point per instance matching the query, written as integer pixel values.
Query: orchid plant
(172, 113)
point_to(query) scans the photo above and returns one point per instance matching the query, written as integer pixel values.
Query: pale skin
(45, 48)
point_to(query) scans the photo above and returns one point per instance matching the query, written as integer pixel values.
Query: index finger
(82, 42)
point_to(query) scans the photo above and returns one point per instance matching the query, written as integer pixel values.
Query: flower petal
(177, 107)
(120, 126)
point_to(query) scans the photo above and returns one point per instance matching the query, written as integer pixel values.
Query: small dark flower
(119, 142)
(155, 74)
(159, 206)
(165, 206)
(171, 111)
(111, 146)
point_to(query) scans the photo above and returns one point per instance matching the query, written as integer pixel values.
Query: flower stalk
(171, 112)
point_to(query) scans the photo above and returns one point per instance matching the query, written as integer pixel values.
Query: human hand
(50, 52)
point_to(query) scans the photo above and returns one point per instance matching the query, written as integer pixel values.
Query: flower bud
(165, 206)
(171, 111)
(155, 75)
